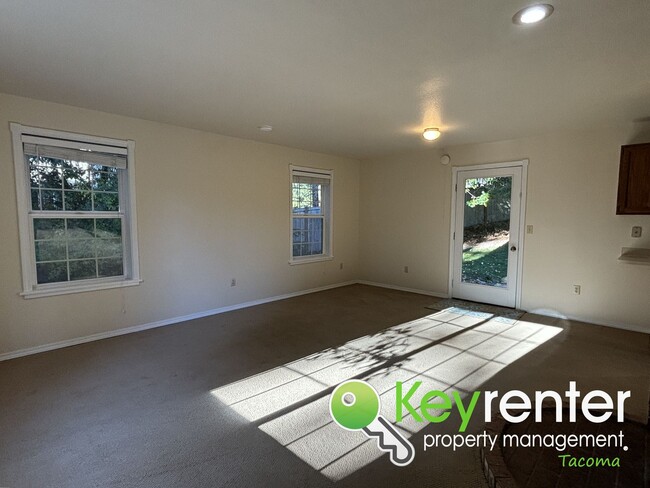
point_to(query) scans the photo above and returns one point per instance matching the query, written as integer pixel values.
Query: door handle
(513, 248)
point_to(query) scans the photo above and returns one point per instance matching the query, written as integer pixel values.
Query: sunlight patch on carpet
(450, 350)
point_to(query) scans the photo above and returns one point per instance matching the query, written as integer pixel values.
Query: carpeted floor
(189, 405)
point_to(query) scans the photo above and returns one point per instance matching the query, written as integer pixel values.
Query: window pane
(83, 270)
(36, 199)
(51, 272)
(50, 250)
(110, 267)
(307, 236)
(298, 224)
(109, 228)
(81, 228)
(486, 231)
(45, 162)
(82, 182)
(78, 200)
(48, 176)
(108, 248)
(89, 244)
(81, 248)
(107, 202)
(307, 198)
(49, 228)
(104, 181)
(75, 178)
(316, 230)
(33, 177)
(52, 199)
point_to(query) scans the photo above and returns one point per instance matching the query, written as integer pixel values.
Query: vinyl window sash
(26, 215)
(327, 181)
(77, 215)
(57, 214)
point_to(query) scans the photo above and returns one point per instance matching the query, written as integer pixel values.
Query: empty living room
(308, 243)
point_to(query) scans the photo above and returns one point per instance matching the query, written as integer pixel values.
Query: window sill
(313, 259)
(50, 292)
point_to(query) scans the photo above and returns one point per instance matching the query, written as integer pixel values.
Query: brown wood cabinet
(634, 180)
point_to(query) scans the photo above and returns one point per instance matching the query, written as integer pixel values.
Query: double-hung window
(311, 214)
(76, 211)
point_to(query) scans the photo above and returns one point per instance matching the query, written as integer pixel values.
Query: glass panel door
(485, 243)
(486, 230)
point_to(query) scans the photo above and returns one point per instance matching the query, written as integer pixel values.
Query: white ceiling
(351, 77)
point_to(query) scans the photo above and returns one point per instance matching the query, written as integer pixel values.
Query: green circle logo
(354, 405)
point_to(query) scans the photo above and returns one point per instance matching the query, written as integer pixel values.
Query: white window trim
(329, 255)
(27, 258)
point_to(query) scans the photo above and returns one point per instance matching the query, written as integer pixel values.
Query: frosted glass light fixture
(533, 14)
(431, 133)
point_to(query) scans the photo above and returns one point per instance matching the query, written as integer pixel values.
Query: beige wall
(210, 208)
(405, 219)
(572, 185)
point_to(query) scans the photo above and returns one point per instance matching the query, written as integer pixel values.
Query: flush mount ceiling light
(265, 128)
(431, 133)
(533, 14)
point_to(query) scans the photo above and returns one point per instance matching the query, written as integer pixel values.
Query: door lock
(513, 248)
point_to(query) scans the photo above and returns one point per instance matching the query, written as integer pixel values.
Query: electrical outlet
(529, 229)
(406, 269)
(576, 289)
(637, 231)
(233, 282)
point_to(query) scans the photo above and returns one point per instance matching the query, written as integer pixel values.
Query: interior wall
(210, 208)
(577, 238)
(404, 208)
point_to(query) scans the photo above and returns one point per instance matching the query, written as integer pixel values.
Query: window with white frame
(76, 211)
(311, 214)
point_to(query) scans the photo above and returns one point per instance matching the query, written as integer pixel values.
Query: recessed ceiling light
(265, 128)
(533, 14)
(431, 133)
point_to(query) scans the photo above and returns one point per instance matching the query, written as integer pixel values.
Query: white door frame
(523, 164)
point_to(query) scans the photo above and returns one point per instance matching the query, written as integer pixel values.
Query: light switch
(636, 231)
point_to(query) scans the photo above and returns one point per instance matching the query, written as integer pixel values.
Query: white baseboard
(161, 323)
(592, 321)
(175, 320)
(402, 288)
(547, 312)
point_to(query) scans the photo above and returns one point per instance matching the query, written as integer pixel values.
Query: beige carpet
(165, 407)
